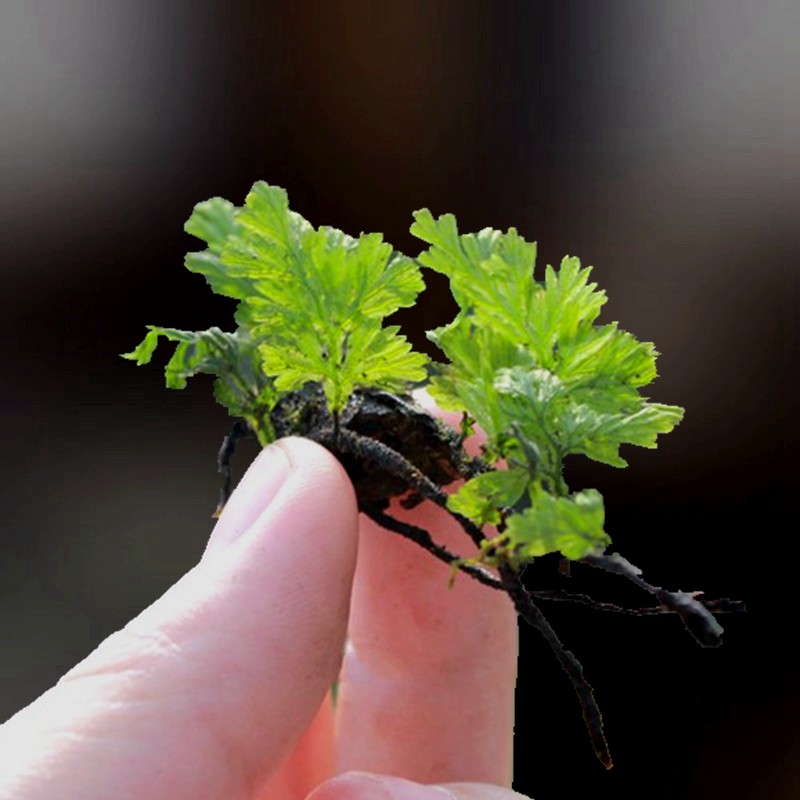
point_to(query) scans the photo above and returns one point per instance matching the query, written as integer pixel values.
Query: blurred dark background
(658, 141)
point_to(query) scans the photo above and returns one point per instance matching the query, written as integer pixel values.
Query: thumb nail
(366, 786)
(257, 489)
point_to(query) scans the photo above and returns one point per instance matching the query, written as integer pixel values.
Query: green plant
(526, 361)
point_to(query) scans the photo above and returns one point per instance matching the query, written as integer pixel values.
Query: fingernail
(365, 786)
(257, 489)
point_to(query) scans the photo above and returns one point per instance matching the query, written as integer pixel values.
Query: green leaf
(213, 221)
(219, 277)
(318, 298)
(528, 361)
(483, 498)
(566, 304)
(143, 352)
(266, 214)
(197, 351)
(231, 356)
(490, 272)
(300, 272)
(311, 308)
(570, 525)
(475, 353)
(367, 355)
(593, 423)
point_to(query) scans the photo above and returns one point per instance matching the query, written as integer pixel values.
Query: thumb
(208, 689)
(368, 786)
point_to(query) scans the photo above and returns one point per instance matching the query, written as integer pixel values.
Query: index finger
(427, 687)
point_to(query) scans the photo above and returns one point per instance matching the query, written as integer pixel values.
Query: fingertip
(312, 468)
(367, 786)
(370, 786)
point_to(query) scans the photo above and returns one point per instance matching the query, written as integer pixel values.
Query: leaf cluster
(526, 359)
(311, 301)
(529, 364)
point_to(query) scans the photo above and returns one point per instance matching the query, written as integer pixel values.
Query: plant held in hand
(526, 362)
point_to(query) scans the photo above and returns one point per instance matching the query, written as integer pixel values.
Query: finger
(208, 690)
(310, 762)
(428, 680)
(364, 786)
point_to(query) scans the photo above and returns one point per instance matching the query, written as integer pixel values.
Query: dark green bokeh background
(657, 141)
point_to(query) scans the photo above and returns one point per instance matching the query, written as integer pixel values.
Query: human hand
(220, 689)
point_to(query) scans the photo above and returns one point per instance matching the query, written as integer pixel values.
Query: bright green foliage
(483, 497)
(241, 385)
(527, 361)
(313, 299)
(531, 367)
(489, 272)
(214, 221)
(570, 525)
(311, 308)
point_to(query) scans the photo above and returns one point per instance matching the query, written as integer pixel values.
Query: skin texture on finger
(310, 763)
(210, 688)
(427, 690)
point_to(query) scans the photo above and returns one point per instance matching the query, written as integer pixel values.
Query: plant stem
(240, 430)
